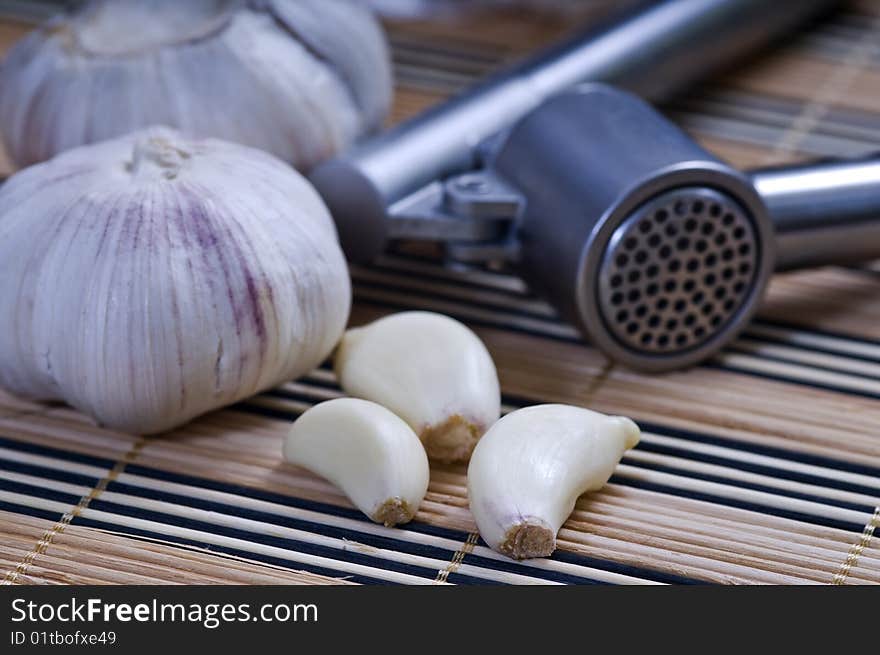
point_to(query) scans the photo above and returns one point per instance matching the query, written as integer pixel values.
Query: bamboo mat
(762, 466)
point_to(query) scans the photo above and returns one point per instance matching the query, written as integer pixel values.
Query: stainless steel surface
(655, 249)
(824, 213)
(656, 50)
(678, 271)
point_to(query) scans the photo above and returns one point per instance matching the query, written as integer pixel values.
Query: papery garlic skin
(151, 279)
(365, 450)
(430, 370)
(301, 79)
(529, 469)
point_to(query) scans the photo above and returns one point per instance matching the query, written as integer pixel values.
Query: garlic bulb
(150, 279)
(528, 470)
(366, 451)
(300, 79)
(430, 370)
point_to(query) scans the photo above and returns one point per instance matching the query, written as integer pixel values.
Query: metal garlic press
(658, 251)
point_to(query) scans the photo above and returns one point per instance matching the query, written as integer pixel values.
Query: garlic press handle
(824, 213)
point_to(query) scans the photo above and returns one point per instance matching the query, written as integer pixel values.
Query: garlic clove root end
(528, 538)
(453, 440)
(394, 511)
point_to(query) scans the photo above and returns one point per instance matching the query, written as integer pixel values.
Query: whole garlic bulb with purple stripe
(150, 279)
(301, 79)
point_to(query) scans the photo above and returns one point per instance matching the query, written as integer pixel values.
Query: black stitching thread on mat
(708, 365)
(753, 486)
(58, 453)
(249, 408)
(550, 321)
(290, 394)
(752, 506)
(376, 541)
(269, 518)
(284, 543)
(780, 325)
(846, 526)
(324, 508)
(139, 470)
(809, 348)
(732, 443)
(472, 320)
(759, 449)
(776, 377)
(521, 313)
(729, 443)
(761, 469)
(333, 510)
(40, 492)
(576, 559)
(459, 282)
(702, 438)
(388, 542)
(45, 514)
(455, 535)
(280, 499)
(743, 350)
(464, 284)
(686, 435)
(760, 321)
(440, 296)
(48, 473)
(276, 561)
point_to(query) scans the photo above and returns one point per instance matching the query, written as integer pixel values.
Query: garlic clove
(301, 79)
(150, 279)
(365, 450)
(529, 469)
(430, 370)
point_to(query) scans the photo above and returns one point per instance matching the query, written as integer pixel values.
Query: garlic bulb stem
(529, 469)
(365, 450)
(430, 370)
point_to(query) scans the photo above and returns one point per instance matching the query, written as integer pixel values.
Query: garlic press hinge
(474, 214)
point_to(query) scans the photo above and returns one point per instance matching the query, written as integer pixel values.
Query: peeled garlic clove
(301, 79)
(151, 279)
(366, 451)
(529, 469)
(430, 370)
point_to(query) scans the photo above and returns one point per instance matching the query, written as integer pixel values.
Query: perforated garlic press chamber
(658, 251)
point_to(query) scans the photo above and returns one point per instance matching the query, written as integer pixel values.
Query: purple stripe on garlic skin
(150, 279)
(301, 79)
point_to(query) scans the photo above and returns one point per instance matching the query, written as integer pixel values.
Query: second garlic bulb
(301, 79)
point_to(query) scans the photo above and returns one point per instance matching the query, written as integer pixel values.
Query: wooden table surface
(761, 466)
